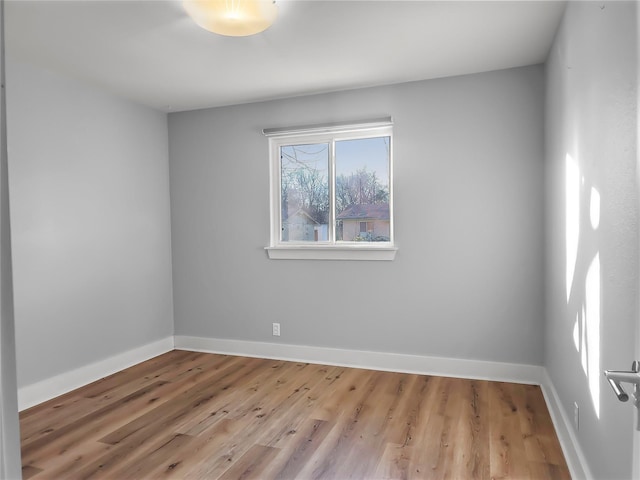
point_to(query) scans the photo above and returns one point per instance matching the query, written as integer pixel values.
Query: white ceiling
(150, 51)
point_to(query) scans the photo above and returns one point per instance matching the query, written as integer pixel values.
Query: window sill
(301, 252)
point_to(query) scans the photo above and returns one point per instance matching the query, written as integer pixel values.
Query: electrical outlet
(276, 329)
(576, 416)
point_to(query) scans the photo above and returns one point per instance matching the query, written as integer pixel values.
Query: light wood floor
(202, 416)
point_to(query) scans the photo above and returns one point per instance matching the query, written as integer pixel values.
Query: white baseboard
(39, 392)
(392, 362)
(576, 460)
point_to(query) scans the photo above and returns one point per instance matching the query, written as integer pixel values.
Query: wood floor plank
(65, 439)
(424, 444)
(342, 437)
(142, 371)
(28, 472)
(252, 417)
(262, 418)
(296, 455)
(471, 446)
(196, 398)
(151, 458)
(202, 455)
(375, 423)
(71, 407)
(402, 420)
(54, 417)
(285, 422)
(393, 463)
(252, 464)
(188, 415)
(508, 456)
(235, 402)
(145, 403)
(67, 466)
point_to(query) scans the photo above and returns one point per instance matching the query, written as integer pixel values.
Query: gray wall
(90, 223)
(591, 115)
(467, 281)
(10, 462)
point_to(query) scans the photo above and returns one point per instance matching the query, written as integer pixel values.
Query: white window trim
(278, 250)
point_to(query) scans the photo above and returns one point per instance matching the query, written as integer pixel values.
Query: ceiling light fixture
(233, 18)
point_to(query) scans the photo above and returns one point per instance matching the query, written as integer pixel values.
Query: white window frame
(330, 250)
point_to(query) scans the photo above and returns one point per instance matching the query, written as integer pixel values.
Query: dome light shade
(234, 18)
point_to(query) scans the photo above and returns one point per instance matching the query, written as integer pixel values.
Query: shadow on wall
(583, 280)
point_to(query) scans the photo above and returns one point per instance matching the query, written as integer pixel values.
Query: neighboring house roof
(303, 213)
(365, 212)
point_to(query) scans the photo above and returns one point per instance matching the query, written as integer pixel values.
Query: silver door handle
(617, 377)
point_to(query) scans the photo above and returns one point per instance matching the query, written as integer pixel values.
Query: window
(331, 192)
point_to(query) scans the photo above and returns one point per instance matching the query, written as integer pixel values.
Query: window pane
(304, 192)
(362, 190)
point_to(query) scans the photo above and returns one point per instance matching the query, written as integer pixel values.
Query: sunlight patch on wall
(584, 290)
(583, 343)
(594, 209)
(572, 222)
(592, 286)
